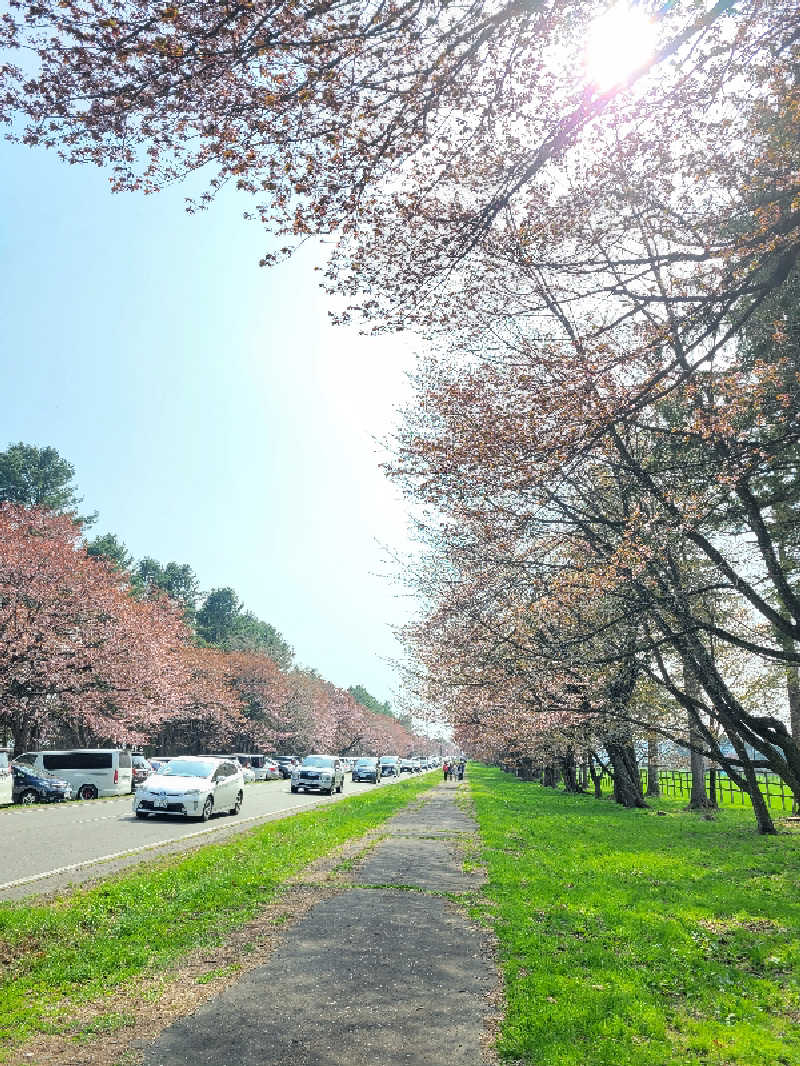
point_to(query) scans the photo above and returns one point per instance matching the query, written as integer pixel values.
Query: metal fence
(679, 783)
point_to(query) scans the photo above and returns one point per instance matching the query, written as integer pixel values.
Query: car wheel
(28, 797)
(238, 804)
(87, 792)
(208, 807)
(294, 788)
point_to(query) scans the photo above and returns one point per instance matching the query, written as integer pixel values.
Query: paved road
(45, 847)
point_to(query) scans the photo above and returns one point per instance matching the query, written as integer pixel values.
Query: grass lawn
(630, 938)
(56, 955)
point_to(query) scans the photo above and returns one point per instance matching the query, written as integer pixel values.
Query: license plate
(160, 801)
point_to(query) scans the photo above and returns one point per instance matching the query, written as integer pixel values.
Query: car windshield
(366, 762)
(318, 760)
(188, 768)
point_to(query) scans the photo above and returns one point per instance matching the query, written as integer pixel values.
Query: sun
(620, 41)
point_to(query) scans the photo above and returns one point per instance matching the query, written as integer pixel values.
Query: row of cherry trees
(84, 660)
(605, 444)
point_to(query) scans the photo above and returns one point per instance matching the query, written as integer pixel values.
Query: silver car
(195, 786)
(323, 773)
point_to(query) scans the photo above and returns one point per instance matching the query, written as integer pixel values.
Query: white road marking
(146, 847)
(299, 807)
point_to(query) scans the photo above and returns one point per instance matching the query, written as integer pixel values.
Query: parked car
(367, 769)
(286, 764)
(323, 773)
(37, 786)
(406, 766)
(263, 766)
(91, 772)
(390, 765)
(140, 770)
(195, 786)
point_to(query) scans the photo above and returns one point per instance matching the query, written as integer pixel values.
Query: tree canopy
(223, 621)
(37, 477)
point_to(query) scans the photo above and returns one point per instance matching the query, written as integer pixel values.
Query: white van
(92, 772)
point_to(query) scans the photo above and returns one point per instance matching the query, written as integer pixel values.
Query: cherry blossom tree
(206, 714)
(263, 692)
(80, 657)
(550, 515)
(425, 133)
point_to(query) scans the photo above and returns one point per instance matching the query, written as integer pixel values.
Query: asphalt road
(46, 847)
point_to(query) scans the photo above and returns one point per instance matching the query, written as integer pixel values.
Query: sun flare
(620, 41)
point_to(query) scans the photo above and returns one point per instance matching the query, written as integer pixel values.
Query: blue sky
(212, 414)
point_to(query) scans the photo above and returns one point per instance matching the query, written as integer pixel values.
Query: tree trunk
(653, 766)
(749, 783)
(627, 782)
(596, 776)
(793, 696)
(698, 798)
(793, 693)
(760, 809)
(584, 772)
(24, 735)
(569, 771)
(526, 769)
(550, 776)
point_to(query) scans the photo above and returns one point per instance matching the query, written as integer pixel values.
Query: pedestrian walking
(445, 768)
(461, 770)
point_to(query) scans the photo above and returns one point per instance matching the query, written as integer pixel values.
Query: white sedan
(195, 786)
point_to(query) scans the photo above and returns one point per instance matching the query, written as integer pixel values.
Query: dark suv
(36, 786)
(285, 764)
(367, 770)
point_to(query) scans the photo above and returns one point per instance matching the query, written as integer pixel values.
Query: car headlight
(325, 777)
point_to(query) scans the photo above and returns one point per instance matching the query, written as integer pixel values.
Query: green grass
(630, 938)
(56, 955)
